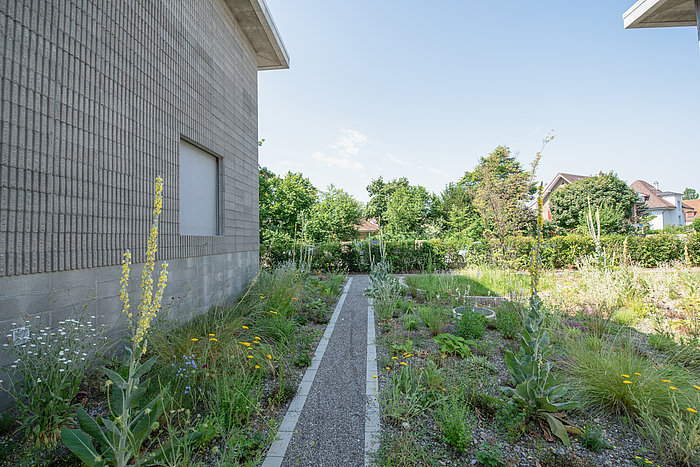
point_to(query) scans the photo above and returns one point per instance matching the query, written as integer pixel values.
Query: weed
(490, 456)
(410, 322)
(402, 450)
(435, 317)
(471, 325)
(509, 319)
(455, 423)
(514, 421)
(454, 345)
(593, 440)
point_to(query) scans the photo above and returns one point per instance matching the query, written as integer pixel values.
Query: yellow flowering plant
(536, 389)
(119, 437)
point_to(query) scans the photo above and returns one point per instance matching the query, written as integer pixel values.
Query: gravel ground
(331, 428)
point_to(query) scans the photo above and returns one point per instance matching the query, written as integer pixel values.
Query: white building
(664, 207)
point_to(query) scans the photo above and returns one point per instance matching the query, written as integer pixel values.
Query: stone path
(334, 418)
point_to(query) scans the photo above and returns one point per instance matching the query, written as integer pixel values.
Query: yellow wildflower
(665, 381)
(258, 338)
(211, 335)
(249, 356)
(691, 410)
(214, 339)
(624, 376)
(245, 327)
(404, 363)
(194, 339)
(638, 374)
(273, 312)
(672, 388)
(627, 381)
(696, 387)
(269, 357)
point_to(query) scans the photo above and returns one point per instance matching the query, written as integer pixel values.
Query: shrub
(471, 325)
(50, 366)
(435, 317)
(509, 319)
(455, 423)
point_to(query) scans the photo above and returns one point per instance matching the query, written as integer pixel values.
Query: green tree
(606, 191)
(407, 211)
(501, 189)
(455, 215)
(690, 193)
(380, 192)
(283, 200)
(334, 217)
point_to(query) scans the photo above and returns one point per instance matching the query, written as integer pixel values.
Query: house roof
(692, 204)
(367, 226)
(660, 13)
(569, 178)
(654, 201)
(260, 30)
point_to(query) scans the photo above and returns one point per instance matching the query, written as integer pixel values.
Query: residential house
(559, 180)
(691, 208)
(367, 228)
(663, 207)
(99, 99)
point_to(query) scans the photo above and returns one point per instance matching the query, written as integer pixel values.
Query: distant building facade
(100, 98)
(663, 207)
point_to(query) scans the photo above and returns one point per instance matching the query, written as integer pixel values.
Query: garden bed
(227, 377)
(442, 404)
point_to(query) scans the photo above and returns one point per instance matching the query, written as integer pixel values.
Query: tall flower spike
(124, 283)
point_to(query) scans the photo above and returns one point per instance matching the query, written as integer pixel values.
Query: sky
(402, 88)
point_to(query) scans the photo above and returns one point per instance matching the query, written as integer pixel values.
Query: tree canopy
(690, 193)
(334, 217)
(606, 192)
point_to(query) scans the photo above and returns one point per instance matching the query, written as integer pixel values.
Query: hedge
(429, 255)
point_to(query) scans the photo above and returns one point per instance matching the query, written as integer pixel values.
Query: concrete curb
(275, 455)
(372, 421)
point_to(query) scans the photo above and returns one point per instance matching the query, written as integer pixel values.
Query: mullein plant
(536, 390)
(118, 438)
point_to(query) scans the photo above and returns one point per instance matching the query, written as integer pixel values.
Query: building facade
(99, 99)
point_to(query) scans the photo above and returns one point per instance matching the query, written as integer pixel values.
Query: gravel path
(331, 427)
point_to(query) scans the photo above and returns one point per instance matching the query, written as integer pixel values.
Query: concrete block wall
(94, 100)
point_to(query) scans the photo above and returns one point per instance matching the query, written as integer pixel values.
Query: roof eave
(262, 34)
(655, 14)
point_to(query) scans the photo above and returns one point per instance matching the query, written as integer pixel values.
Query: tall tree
(455, 214)
(407, 211)
(334, 217)
(283, 200)
(606, 192)
(380, 192)
(501, 189)
(690, 193)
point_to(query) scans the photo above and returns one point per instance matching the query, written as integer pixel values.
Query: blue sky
(423, 89)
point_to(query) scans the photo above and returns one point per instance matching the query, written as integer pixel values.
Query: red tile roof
(367, 226)
(693, 204)
(654, 201)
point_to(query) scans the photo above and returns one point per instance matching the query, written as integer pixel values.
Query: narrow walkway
(327, 421)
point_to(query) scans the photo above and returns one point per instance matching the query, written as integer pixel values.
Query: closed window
(199, 191)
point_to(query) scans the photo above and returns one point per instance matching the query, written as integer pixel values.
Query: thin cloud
(345, 150)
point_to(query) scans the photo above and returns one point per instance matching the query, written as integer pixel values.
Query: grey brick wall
(94, 99)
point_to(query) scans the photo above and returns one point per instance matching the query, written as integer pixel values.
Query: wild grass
(456, 423)
(435, 317)
(443, 286)
(613, 377)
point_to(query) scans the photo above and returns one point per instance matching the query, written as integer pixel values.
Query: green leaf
(90, 426)
(81, 445)
(116, 398)
(557, 428)
(143, 368)
(116, 378)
